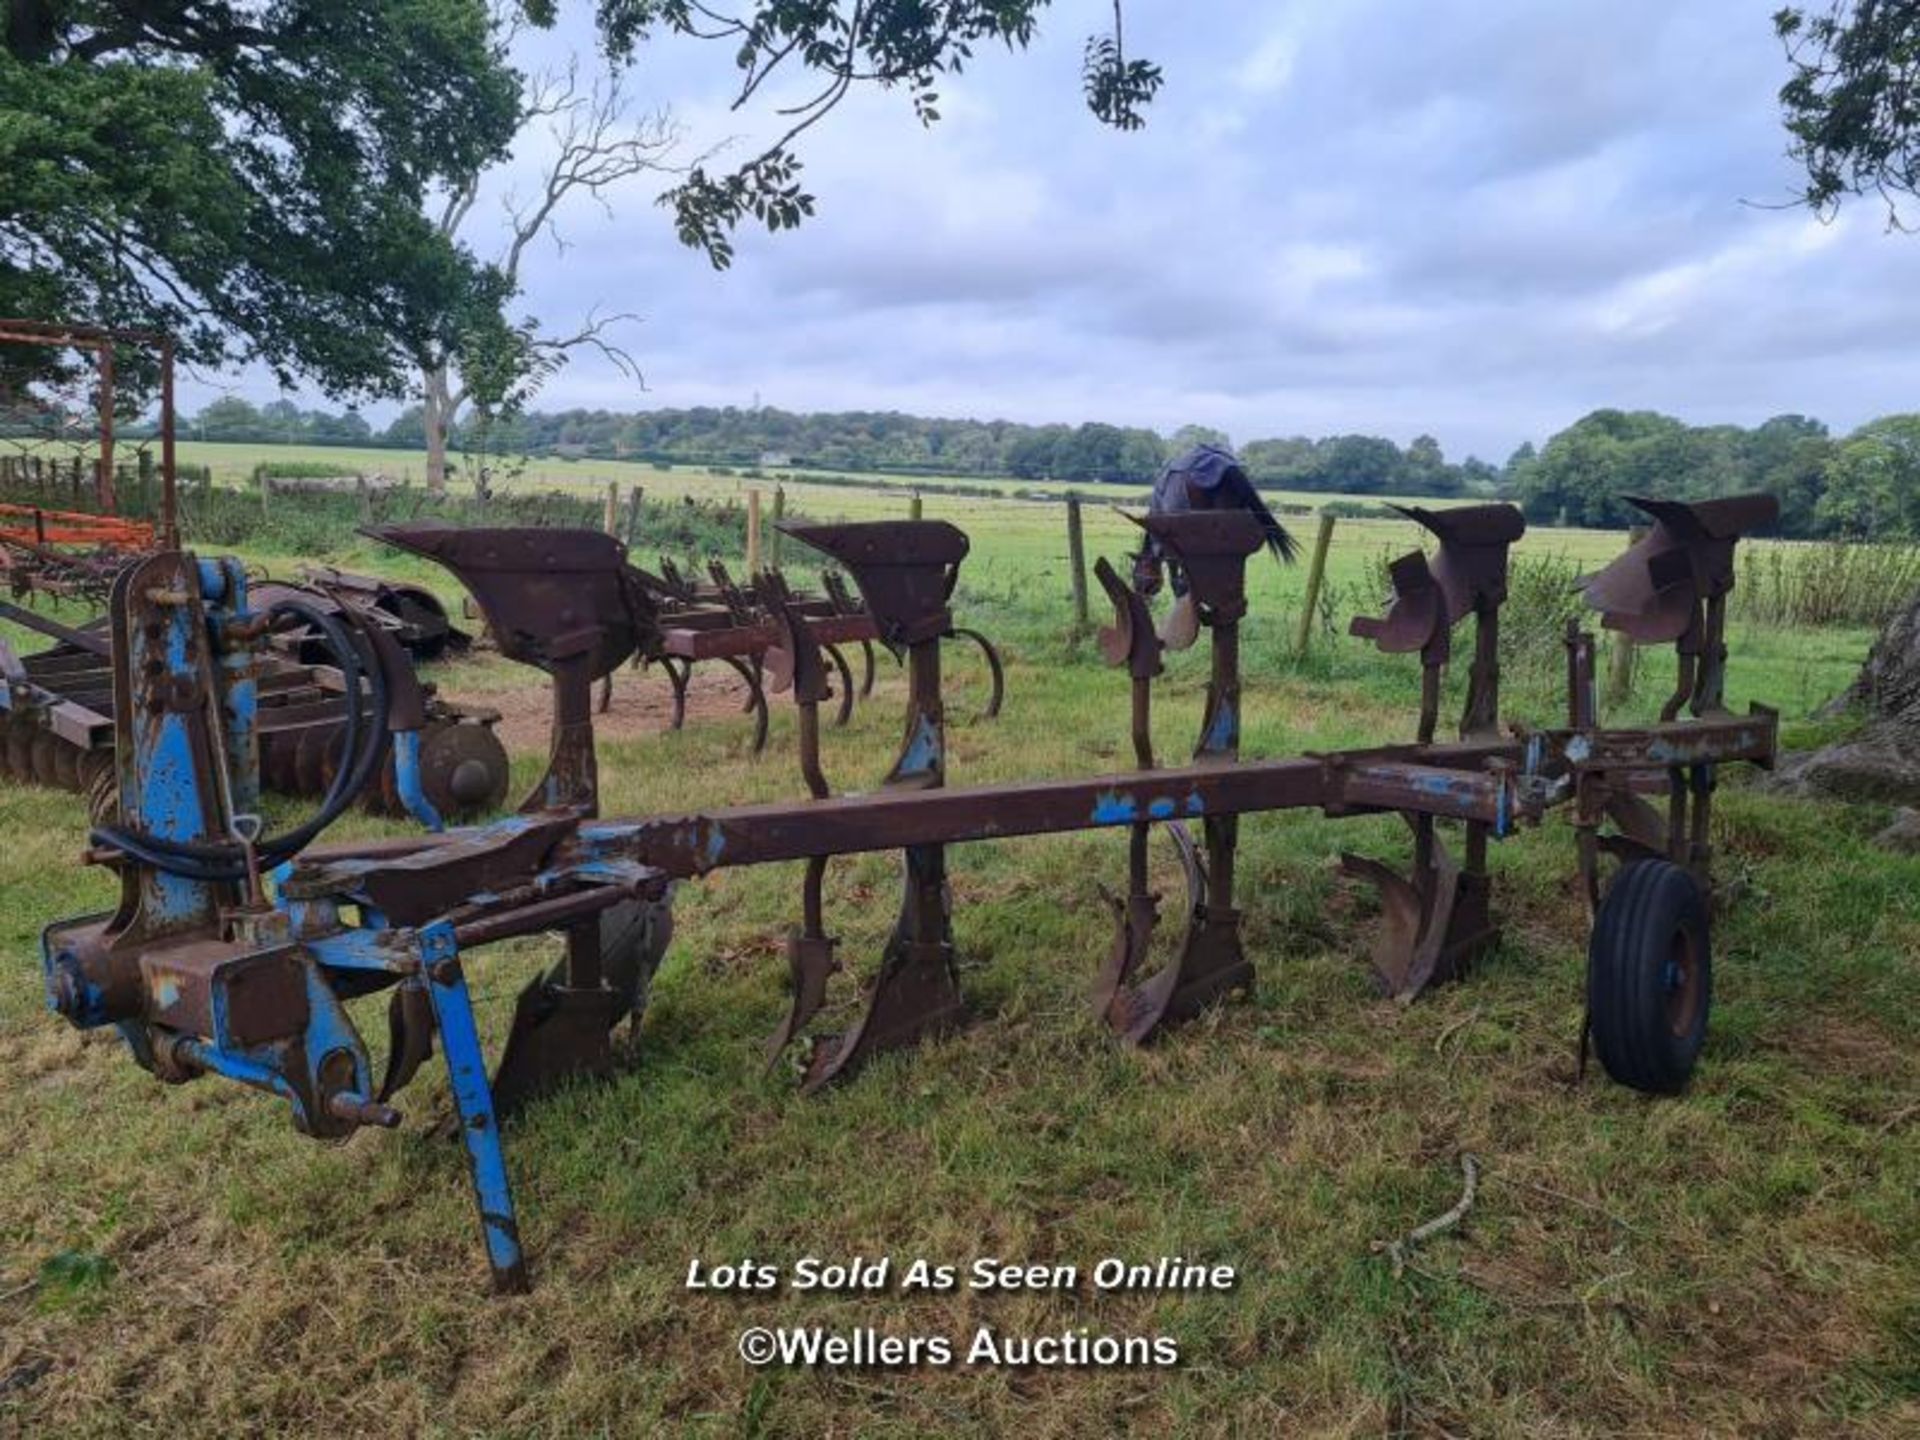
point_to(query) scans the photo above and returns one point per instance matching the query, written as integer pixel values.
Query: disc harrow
(445, 762)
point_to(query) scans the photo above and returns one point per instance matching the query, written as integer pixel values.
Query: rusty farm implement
(234, 953)
(745, 628)
(441, 760)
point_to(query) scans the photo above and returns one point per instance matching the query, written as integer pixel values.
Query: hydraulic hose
(364, 747)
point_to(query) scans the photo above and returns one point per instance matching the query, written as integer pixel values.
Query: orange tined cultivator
(32, 525)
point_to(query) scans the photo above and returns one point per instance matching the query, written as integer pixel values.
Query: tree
(348, 428)
(1189, 436)
(1789, 456)
(1092, 453)
(1873, 481)
(1142, 453)
(1359, 465)
(593, 145)
(1853, 112)
(1282, 464)
(893, 44)
(250, 175)
(1852, 104)
(1425, 469)
(1479, 478)
(1034, 455)
(1581, 473)
(1516, 474)
(246, 176)
(229, 418)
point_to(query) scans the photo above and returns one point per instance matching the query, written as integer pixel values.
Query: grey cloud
(1476, 220)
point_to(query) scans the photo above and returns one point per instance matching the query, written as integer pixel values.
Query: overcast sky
(1477, 219)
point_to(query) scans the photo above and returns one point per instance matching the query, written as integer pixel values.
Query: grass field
(1742, 1261)
(232, 463)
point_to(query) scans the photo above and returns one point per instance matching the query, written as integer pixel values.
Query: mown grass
(1740, 1261)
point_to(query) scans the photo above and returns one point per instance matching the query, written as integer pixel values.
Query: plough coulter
(234, 953)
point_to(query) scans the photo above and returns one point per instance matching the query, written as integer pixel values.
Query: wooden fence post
(1316, 572)
(913, 506)
(611, 523)
(1077, 562)
(1620, 666)
(633, 516)
(779, 514)
(753, 531)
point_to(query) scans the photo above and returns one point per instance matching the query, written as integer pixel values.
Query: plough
(234, 953)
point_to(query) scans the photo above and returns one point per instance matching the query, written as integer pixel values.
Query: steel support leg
(473, 1100)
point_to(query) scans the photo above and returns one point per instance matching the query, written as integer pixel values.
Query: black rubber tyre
(1650, 977)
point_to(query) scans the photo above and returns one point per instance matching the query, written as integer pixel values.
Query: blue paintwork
(246, 1069)
(922, 753)
(1122, 807)
(168, 800)
(473, 1097)
(214, 575)
(1224, 734)
(406, 778)
(365, 948)
(61, 975)
(223, 588)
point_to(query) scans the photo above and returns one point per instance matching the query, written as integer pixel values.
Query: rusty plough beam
(205, 968)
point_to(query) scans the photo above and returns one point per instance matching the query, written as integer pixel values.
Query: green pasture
(233, 463)
(1738, 1261)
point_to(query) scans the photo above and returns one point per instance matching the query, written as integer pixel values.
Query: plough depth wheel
(1650, 977)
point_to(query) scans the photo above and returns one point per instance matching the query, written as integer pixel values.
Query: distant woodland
(1865, 484)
